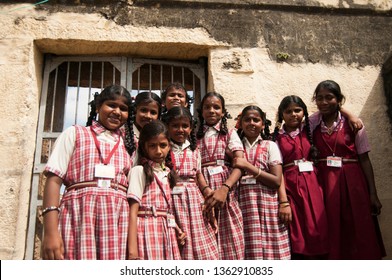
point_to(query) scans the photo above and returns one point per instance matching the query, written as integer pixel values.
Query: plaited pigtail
(266, 134)
(278, 125)
(129, 139)
(223, 128)
(200, 131)
(172, 176)
(313, 150)
(93, 111)
(147, 168)
(192, 136)
(238, 126)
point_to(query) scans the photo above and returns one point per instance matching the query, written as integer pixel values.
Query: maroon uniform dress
(309, 228)
(93, 220)
(352, 230)
(188, 202)
(213, 155)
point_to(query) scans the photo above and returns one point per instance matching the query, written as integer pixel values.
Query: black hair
(177, 85)
(333, 87)
(113, 92)
(178, 112)
(145, 97)
(284, 104)
(265, 134)
(149, 131)
(223, 129)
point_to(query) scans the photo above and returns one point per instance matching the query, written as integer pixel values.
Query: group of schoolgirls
(143, 181)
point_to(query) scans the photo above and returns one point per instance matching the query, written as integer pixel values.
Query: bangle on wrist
(283, 202)
(50, 208)
(227, 186)
(284, 205)
(258, 173)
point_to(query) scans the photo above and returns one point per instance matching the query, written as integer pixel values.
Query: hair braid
(278, 125)
(223, 127)
(172, 176)
(93, 111)
(313, 149)
(200, 131)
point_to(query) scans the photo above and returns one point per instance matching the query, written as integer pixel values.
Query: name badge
(103, 183)
(248, 180)
(171, 222)
(334, 161)
(214, 170)
(305, 166)
(220, 162)
(104, 171)
(178, 190)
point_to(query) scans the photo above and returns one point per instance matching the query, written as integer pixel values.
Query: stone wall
(259, 51)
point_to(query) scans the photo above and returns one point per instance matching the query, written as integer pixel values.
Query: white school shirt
(137, 180)
(177, 149)
(65, 146)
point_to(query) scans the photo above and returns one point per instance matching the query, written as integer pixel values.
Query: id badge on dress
(178, 190)
(305, 166)
(104, 183)
(212, 170)
(334, 161)
(248, 180)
(104, 171)
(171, 222)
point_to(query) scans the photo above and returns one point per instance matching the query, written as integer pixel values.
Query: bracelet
(204, 188)
(50, 208)
(227, 186)
(258, 173)
(284, 206)
(283, 202)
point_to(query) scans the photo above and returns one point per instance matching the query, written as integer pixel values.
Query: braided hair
(111, 93)
(149, 131)
(223, 127)
(179, 112)
(265, 133)
(284, 104)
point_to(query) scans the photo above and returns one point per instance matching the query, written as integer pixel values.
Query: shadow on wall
(375, 115)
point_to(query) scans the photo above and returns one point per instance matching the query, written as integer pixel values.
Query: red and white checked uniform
(93, 221)
(201, 242)
(156, 240)
(230, 235)
(266, 237)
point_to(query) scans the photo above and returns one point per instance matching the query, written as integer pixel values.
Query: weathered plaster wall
(241, 43)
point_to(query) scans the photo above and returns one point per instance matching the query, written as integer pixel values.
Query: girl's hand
(53, 247)
(213, 221)
(133, 255)
(355, 124)
(217, 199)
(181, 236)
(285, 214)
(375, 204)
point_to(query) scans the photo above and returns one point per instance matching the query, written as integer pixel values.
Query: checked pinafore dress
(266, 237)
(93, 221)
(188, 201)
(214, 149)
(156, 239)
